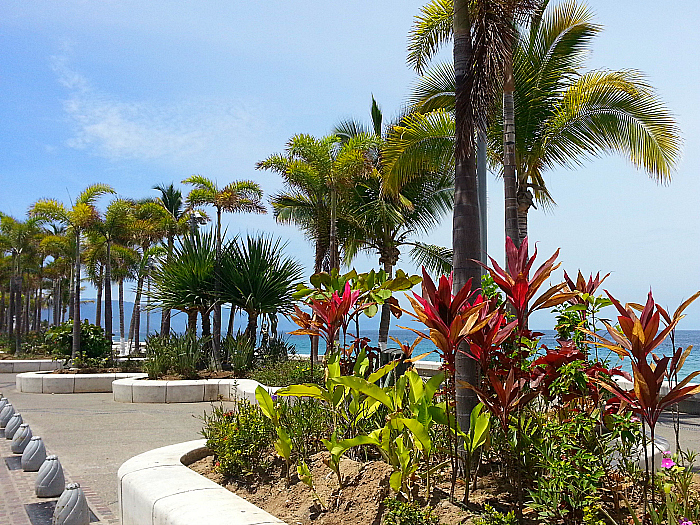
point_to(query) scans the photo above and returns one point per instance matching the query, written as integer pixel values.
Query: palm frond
(432, 28)
(435, 259)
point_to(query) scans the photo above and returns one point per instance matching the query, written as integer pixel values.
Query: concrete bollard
(50, 480)
(5, 414)
(34, 455)
(3, 402)
(13, 425)
(71, 507)
(21, 438)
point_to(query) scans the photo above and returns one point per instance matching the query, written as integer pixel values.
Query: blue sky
(138, 93)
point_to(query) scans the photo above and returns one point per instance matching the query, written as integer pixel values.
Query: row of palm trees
(50, 249)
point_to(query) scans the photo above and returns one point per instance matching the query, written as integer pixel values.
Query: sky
(134, 93)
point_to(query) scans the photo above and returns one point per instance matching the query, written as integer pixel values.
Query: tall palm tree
(563, 115)
(178, 223)
(236, 197)
(258, 278)
(77, 218)
(115, 227)
(20, 239)
(317, 172)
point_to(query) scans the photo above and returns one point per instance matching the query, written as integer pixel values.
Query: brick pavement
(17, 490)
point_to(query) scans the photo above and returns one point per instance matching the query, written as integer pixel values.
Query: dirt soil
(204, 374)
(88, 371)
(359, 502)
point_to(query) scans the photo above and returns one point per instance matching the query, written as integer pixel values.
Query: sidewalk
(92, 436)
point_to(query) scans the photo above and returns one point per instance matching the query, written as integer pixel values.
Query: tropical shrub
(240, 438)
(183, 355)
(93, 343)
(403, 513)
(285, 373)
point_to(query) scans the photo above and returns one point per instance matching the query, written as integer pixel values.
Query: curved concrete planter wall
(15, 366)
(156, 488)
(48, 383)
(194, 391)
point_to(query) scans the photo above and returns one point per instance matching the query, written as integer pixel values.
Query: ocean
(683, 338)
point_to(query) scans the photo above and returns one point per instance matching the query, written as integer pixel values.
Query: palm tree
(77, 218)
(564, 115)
(178, 223)
(20, 239)
(185, 281)
(382, 220)
(236, 197)
(258, 278)
(316, 172)
(114, 227)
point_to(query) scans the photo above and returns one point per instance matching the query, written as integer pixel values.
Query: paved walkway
(92, 436)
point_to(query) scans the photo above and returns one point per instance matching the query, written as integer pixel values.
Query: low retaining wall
(186, 391)
(48, 383)
(15, 366)
(689, 406)
(156, 488)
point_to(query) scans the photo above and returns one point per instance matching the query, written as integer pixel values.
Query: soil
(360, 501)
(203, 374)
(88, 370)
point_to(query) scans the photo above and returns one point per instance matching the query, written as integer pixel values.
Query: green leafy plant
(283, 445)
(307, 479)
(158, 356)
(239, 352)
(492, 517)
(285, 373)
(239, 438)
(93, 343)
(406, 513)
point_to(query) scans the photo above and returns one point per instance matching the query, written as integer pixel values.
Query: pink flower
(668, 463)
(684, 521)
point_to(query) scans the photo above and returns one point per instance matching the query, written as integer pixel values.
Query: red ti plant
(520, 289)
(485, 344)
(449, 318)
(582, 286)
(638, 338)
(331, 315)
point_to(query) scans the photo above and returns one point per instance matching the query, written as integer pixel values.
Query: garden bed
(14, 366)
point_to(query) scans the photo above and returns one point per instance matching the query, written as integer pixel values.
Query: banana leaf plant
(637, 339)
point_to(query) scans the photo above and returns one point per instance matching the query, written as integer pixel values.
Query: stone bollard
(13, 425)
(34, 455)
(3, 402)
(71, 507)
(50, 480)
(5, 414)
(21, 439)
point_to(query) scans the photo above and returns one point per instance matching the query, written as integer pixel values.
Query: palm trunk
(385, 320)
(71, 292)
(76, 295)
(3, 311)
(206, 324)
(252, 328)
(121, 317)
(525, 202)
(216, 339)
(318, 262)
(466, 242)
(98, 306)
(136, 312)
(231, 317)
(27, 309)
(335, 256)
(165, 312)
(192, 322)
(510, 184)
(108, 294)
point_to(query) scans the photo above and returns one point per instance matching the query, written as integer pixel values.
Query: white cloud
(173, 132)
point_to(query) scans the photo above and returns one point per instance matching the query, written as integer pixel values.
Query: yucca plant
(258, 278)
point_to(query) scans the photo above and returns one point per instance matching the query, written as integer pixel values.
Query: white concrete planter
(134, 390)
(689, 406)
(14, 366)
(48, 383)
(156, 488)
